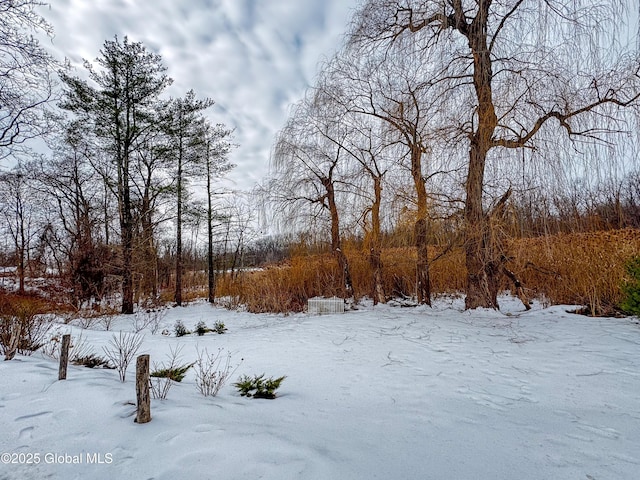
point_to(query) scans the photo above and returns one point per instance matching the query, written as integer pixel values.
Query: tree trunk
(150, 254)
(127, 274)
(105, 206)
(21, 268)
(375, 249)
(178, 295)
(476, 230)
(481, 274)
(336, 244)
(423, 281)
(143, 412)
(126, 228)
(211, 272)
(64, 357)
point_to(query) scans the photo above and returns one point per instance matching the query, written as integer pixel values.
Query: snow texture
(375, 393)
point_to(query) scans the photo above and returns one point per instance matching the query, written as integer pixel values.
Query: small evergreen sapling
(201, 328)
(180, 330)
(176, 374)
(93, 361)
(258, 386)
(219, 327)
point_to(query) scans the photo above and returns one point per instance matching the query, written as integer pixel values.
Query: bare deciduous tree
(19, 214)
(306, 163)
(73, 231)
(391, 90)
(26, 81)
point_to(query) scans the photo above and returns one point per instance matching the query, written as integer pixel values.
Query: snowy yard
(385, 392)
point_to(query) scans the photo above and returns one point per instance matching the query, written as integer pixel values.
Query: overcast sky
(253, 57)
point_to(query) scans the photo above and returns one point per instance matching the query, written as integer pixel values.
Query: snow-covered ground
(385, 392)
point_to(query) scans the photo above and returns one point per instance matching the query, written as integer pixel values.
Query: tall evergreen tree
(215, 149)
(183, 127)
(120, 102)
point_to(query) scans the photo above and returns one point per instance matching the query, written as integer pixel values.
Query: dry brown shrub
(23, 327)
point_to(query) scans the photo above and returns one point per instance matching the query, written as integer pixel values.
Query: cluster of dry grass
(583, 268)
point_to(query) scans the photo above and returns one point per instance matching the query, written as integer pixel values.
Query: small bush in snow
(159, 387)
(51, 347)
(150, 319)
(79, 348)
(258, 386)
(201, 328)
(22, 330)
(174, 373)
(107, 321)
(219, 328)
(122, 348)
(212, 371)
(86, 322)
(180, 330)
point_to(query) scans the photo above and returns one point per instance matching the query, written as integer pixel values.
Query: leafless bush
(160, 387)
(78, 348)
(150, 319)
(122, 349)
(22, 330)
(51, 347)
(213, 371)
(10, 331)
(107, 321)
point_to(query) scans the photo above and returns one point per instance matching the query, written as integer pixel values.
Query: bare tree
(68, 180)
(153, 190)
(509, 75)
(364, 140)
(26, 80)
(19, 210)
(391, 90)
(306, 168)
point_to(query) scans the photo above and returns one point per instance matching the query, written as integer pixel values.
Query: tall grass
(582, 268)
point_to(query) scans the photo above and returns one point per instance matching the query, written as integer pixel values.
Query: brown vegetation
(581, 268)
(22, 327)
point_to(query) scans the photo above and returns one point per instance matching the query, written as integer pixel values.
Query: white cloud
(252, 57)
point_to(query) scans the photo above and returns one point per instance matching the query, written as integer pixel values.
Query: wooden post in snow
(143, 414)
(64, 357)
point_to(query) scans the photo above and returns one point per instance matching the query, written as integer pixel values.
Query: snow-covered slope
(385, 392)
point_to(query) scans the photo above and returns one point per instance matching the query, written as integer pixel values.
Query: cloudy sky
(253, 57)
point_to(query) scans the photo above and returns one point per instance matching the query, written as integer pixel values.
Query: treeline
(131, 176)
